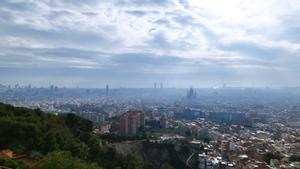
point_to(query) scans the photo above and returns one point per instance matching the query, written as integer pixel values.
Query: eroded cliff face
(154, 153)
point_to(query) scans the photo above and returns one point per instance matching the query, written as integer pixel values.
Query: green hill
(47, 137)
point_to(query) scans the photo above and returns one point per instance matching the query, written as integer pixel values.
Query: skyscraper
(191, 93)
(107, 89)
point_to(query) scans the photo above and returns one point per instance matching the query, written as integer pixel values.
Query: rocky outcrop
(154, 153)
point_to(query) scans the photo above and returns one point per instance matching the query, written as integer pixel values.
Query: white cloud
(235, 36)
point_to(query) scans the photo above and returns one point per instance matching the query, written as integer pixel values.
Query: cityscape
(149, 84)
(218, 128)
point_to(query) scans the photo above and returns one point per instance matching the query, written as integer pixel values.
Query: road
(188, 159)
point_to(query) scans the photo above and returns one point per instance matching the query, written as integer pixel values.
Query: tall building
(124, 124)
(131, 123)
(161, 85)
(191, 93)
(107, 89)
(202, 158)
(163, 121)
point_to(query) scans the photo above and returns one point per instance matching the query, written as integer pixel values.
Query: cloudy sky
(134, 43)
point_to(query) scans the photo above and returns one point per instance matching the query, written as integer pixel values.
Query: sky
(135, 43)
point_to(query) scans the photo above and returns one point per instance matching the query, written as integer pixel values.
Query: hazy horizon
(148, 86)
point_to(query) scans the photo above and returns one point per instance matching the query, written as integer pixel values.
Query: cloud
(18, 5)
(143, 2)
(184, 3)
(63, 36)
(256, 50)
(289, 32)
(137, 13)
(182, 41)
(183, 20)
(146, 59)
(159, 40)
(163, 22)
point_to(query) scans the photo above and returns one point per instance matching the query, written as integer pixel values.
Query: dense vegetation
(13, 164)
(47, 138)
(64, 160)
(27, 131)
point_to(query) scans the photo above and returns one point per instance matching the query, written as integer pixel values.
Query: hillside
(26, 131)
(43, 138)
(48, 141)
(154, 153)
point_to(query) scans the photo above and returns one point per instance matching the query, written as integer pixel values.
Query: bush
(14, 164)
(64, 160)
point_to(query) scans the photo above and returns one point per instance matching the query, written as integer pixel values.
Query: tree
(13, 164)
(35, 133)
(166, 166)
(149, 166)
(64, 160)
